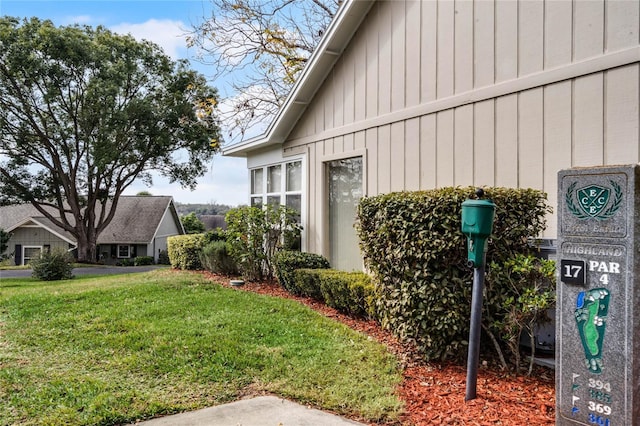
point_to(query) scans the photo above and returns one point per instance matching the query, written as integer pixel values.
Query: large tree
(258, 48)
(85, 112)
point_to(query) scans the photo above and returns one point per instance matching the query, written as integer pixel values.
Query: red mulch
(434, 393)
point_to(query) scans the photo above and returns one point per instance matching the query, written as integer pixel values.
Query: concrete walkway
(260, 411)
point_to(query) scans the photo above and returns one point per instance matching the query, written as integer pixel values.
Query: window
(123, 251)
(344, 190)
(29, 253)
(282, 186)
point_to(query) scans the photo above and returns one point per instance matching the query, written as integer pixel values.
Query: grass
(114, 349)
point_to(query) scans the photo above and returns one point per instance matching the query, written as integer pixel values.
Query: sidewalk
(260, 411)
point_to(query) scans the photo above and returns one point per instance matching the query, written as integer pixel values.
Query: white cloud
(168, 34)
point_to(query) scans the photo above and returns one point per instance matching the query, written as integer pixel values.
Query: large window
(344, 190)
(282, 185)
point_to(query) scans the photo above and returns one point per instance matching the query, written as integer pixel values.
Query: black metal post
(473, 356)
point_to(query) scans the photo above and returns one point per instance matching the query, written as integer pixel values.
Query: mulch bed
(434, 393)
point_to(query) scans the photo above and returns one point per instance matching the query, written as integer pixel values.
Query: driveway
(89, 270)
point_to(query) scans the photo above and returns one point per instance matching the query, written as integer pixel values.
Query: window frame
(24, 248)
(282, 193)
(128, 256)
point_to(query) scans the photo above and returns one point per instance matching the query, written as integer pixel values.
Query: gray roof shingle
(136, 219)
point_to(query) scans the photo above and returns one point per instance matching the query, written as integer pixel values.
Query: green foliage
(352, 293)
(124, 262)
(203, 209)
(85, 112)
(143, 260)
(184, 251)
(4, 243)
(413, 245)
(217, 234)
(52, 265)
(163, 258)
(522, 290)
(287, 261)
(191, 224)
(215, 257)
(255, 235)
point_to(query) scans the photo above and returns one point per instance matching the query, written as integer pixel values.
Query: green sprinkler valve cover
(477, 224)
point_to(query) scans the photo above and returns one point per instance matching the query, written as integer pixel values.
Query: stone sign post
(598, 297)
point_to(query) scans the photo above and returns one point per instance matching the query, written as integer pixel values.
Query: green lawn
(110, 350)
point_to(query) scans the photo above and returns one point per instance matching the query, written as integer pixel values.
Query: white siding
(496, 93)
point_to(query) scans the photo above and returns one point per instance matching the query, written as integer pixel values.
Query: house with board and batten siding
(409, 95)
(140, 227)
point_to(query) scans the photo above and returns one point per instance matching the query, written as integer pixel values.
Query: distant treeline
(203, 209)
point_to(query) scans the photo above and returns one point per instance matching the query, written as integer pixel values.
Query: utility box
(477, 225)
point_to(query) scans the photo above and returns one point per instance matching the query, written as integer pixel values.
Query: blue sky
(164, 22)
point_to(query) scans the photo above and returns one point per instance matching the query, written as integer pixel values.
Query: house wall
(495, 93)
(108, 253)
(167, 228)
(35, 236)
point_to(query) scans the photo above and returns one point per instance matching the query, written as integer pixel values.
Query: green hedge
(285, 262)
(349, 292)
(184, 251)
(412, 243)
(216, 257)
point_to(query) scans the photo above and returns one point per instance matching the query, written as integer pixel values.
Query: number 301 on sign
(597, 420)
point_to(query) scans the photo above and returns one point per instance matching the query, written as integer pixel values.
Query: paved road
(89, 270)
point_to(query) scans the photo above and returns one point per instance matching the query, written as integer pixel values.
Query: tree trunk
(87, 248)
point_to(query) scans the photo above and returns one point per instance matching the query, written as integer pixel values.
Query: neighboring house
(408, 95)
(140, 227)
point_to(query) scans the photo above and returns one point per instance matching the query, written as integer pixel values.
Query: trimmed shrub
(286, 262)
(412, 243)
(184, 251)
(143, 260)
(215, 257)
(351, 293)
(52, 265)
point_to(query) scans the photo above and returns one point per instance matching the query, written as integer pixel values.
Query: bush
(52, 265)
(184, 251)
(286, 262)
(212, 235)
(412, 243)
(163, 258)
(143, 260)
(352, 293)
(526, 291)
(255, 235)
(124, 262)
(215, 257)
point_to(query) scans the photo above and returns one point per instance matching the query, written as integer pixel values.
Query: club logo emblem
(594, 201)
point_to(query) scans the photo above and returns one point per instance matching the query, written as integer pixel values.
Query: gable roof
(136, 219)
(336, 38)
